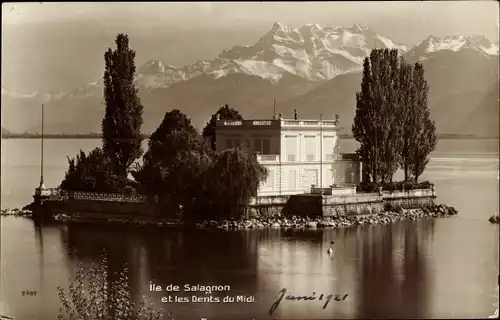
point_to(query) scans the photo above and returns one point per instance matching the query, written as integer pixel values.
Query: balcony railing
(278, 123)
(233, 123)
(309, 123)
(101, 196)
(293, 158)
(273, 158)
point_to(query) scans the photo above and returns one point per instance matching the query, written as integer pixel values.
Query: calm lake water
(444, 268)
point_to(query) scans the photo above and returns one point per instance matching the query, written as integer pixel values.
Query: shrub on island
(371, 187)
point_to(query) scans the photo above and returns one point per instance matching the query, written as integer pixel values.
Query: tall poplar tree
(121, 126)
(365, 122)
(408, 95)
(392, 121)
(376, 124)
(391, 125)
(425, 139)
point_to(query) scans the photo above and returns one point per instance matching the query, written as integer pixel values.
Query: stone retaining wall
(302, 205)
(313, 205)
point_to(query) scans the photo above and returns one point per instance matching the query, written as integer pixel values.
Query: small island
(241, 174)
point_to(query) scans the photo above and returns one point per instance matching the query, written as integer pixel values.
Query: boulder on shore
(279, 221)
(494, 218)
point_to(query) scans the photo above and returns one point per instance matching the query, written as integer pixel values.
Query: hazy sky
(59, 46)
(399, 18)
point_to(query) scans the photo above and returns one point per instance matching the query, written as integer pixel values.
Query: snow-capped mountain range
(311, 69)
(311, 52)
(454, 43)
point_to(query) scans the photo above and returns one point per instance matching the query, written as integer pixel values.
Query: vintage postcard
(250, 160)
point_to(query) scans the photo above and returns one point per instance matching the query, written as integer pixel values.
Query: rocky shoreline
(333, 222)
(494, 218)
(276, 222)
(15, 212)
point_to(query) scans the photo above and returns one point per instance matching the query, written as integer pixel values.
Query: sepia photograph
(250, 160)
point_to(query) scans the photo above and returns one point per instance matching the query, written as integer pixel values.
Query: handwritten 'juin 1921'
(313, 297)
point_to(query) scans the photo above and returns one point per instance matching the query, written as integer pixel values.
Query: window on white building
(311, 149)
(263, 146)
(292, 179)
(266, 146)
(328, 178)
(328, 147)
(257, 145)
(310, 177)
(269, 184)
(291, 148)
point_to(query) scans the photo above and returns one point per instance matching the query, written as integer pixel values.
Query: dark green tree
(173, 166)
(382, 120)
(121, 126)
(224, 113)
(366, 121)
(92, 172)
(407, 104)
(163, 160)
(173, 120)
(161, 148)
(233, 179)
(391, 113)
(425, 139)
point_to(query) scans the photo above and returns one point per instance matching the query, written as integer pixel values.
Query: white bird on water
(330, 250)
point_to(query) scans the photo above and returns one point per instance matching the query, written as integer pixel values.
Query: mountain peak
(155, 66)
(312, 27)
(360, 27)
(455, 42)
(480, 40)
(355, 28)
(430, 38)
(278, 26)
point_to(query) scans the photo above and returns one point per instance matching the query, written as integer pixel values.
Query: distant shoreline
(146, 136)
(57, 136)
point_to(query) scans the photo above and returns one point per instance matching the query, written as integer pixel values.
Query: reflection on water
(165, 256)
(393, 259)
(387, 271)
(445, 268)
(381, 268)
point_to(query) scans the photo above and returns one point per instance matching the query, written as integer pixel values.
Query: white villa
(300, 155)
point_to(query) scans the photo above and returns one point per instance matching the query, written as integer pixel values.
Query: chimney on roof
(336, 119)
(295, 116)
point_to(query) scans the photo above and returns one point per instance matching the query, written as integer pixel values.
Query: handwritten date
(327, 298)
(28, 293)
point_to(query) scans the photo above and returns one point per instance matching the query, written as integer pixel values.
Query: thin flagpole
(321, 151)
(41, 154)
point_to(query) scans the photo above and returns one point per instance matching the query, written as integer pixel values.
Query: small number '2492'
(28, 293)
